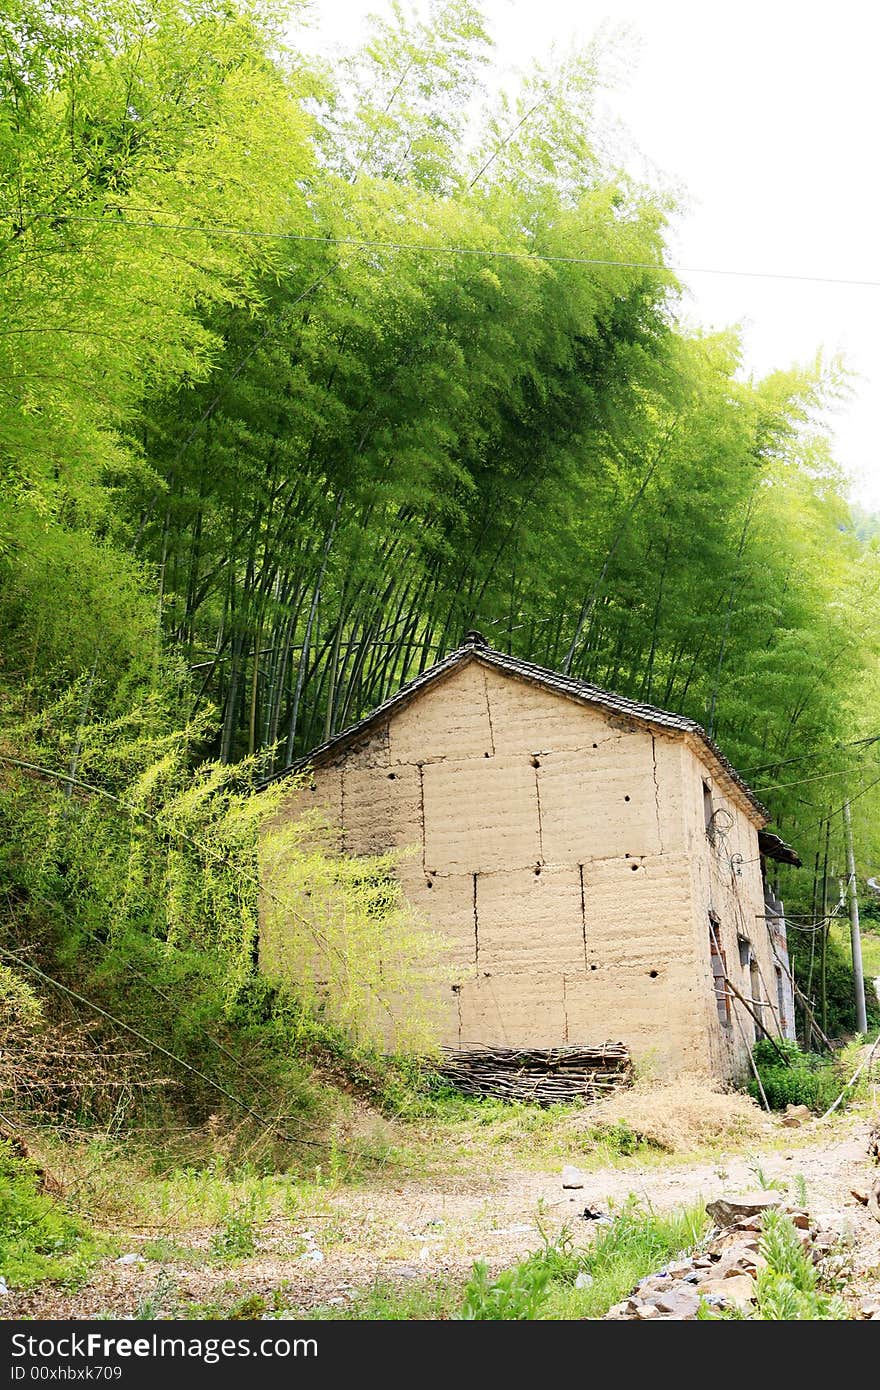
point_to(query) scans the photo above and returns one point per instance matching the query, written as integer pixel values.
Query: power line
(814, 753)
(431, 248)
(819, 777)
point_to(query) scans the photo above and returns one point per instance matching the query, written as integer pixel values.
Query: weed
(788, 1287)
(236, 1238)
(39, 1238)
(761, 1178)
(516, 1295)
(799, 1183)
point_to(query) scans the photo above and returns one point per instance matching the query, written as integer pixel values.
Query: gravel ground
(352, 1236)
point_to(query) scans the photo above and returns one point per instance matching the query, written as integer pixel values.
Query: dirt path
(347, 1238)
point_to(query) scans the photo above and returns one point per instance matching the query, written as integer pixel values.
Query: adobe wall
(562, 853)
(726, 877)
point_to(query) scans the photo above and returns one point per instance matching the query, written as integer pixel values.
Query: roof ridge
(549, 679)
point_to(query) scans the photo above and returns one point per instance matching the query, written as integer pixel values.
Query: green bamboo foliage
(278, 425)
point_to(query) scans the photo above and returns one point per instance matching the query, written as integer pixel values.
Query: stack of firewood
(545, 1075)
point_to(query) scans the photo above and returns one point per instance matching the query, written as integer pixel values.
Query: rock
(130, 1260)
(825, 1241)
(681, 1302)
(727, 1211)
(796, 1115)
(749, 1223)
(735, 1239)
(572, 1177)
(869, 1307)
(738, 1290)
(801, 1219)
(314, 1257)
(645, 1311)
(679, 1267)
(584, 1280)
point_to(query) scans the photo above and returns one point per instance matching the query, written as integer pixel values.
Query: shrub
(39, 1238)
(808, 1079)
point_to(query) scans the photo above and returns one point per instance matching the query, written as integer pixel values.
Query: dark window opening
(708, 812)
(757, 1000)
(719, 973)
(780, 997)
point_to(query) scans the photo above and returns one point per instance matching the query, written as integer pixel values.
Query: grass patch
(811, 1079)
(39, 1238)
(560, 1281)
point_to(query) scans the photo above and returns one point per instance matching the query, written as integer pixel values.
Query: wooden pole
(854, 932)
(826, 931)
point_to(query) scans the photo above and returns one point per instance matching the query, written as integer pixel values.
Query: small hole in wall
(536, 762)
(594, 967)
(392, 777)
(635, 868)
(485, 755)
(537, 871)
(595, 745)
(653, 974)
(626, 798)
(456, 989)
(429, 883)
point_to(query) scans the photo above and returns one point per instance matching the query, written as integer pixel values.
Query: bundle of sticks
(545, 1075)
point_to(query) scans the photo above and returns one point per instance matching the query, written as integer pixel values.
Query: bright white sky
(767, 113)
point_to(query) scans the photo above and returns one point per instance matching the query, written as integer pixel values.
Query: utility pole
(855, 936)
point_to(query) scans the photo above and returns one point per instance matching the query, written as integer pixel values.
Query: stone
(572, 1177)
(314, 1257)
(796, 1115)
(584, 1280)
(130, 1260)
(825, 1241)
(679, 1267)
(801, 1113)
(645, 1311)
(738, 1290)
(727, 1211)
(681, 1302)
(801, 1219)
(869, 1307)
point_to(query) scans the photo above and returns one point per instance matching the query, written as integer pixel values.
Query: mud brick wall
(562, 851)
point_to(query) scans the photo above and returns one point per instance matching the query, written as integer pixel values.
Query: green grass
(871, 952)
(638, 1242)
(40, 1239)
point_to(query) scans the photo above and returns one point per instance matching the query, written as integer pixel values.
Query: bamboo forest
(308, 368)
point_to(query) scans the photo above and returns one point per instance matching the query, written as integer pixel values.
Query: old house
(596, 864)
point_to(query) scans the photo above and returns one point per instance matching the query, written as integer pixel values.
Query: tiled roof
(476, 649)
